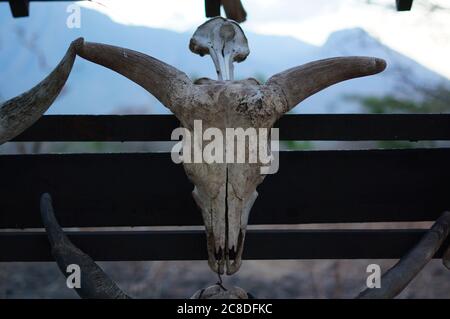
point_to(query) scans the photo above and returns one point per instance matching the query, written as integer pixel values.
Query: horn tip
(78, 43)
(380, 65)
(46, 201)
(46, 197)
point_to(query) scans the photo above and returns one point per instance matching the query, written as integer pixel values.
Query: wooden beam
(107, 128)
(142, 189)
(334, 127)
(212, 8)
(191, 245)
(404, 5)
(19, 8)
(234, 10)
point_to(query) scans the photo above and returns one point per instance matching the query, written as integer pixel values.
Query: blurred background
(281, 34)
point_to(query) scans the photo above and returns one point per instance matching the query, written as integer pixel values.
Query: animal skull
(225, 192)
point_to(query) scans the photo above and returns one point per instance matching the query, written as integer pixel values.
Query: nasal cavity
(231, 254)
(219, 254)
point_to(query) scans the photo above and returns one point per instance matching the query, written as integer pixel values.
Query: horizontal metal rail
(190, 245)
(312, 127)
(148, 189)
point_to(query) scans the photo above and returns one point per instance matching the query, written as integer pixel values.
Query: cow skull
(225, 192)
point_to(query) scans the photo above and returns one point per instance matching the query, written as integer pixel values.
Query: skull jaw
(225, 241)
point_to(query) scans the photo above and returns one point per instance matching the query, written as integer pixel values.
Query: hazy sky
(422, 35)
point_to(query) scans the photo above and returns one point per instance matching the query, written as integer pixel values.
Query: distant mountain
(31, 47)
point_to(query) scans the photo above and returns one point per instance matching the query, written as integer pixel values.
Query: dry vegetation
(264, 279)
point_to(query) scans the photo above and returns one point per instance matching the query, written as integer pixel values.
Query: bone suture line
(211, 101)
(96, 284)
(176, 91)
(224, 41)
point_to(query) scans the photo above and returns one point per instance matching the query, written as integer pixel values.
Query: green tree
(434, 100)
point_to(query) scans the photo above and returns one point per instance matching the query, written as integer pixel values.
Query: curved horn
(19, 113)
(446, 258)
(166, 83)
(398, 277)
(95, 284)
(300, 82)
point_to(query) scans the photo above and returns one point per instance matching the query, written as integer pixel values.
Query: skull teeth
(232, 254)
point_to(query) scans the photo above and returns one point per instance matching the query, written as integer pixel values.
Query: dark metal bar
(107, 128)
(336, 127)
(190, 245)
(403, 5)
(149, 189)
(19, 8)
(212, 8)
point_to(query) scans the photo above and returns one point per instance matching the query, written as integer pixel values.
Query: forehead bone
(224, 41)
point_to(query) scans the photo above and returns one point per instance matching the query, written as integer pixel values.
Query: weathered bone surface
(224, 192)
(19, 113)
(224, 41)
(219, 292)
(169, 85)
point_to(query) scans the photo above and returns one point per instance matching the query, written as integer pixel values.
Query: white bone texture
(224, 41)
(225, 192)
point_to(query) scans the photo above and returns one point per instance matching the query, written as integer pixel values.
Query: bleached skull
(225, 192)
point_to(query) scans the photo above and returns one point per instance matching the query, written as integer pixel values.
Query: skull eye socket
(195, 47)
